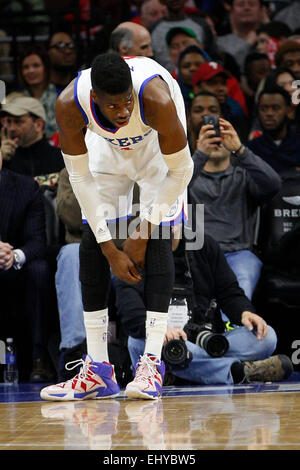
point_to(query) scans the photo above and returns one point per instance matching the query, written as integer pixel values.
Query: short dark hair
(274, 89)
(252, 57)
(275, 29)
(110, 74)
(205, 93)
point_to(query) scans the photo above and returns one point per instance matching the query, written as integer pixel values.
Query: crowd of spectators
(237, 59)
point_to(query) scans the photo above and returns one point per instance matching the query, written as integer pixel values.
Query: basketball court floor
(190, 418)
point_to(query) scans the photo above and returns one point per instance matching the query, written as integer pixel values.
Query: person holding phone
(231, 182)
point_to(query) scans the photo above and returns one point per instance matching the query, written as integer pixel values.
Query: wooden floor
(258, 416)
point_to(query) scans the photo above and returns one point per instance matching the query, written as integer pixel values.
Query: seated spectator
(34, 78)
(68, 287)
(285, 78)
(257, 66)
(269, 37)
(131, 39)
(150, 12)
(203, 104)
(189, 61)
(212, 77)
(24, 273)
(176, 17)
(23, 144)
(251, 341)
(245, 18)
(63, 57)
(178, 39)
(231, 186)
(279, 145)
(288, 56)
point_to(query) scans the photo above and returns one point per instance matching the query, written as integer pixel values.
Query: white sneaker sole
(134, 392)
(70, 397)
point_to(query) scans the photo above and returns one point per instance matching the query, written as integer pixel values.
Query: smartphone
(214, 120)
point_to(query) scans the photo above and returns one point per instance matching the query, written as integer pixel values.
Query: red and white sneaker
(95, 380)
(148, 380)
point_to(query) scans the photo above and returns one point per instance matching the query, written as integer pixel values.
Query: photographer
(251, 342)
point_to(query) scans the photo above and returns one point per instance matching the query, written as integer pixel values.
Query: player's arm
(70, 125)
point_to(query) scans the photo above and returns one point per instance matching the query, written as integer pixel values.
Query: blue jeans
(207, 370)
(68, 290)
(247, 267)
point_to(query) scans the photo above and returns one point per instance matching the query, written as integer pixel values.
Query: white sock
(156, 327)
(96, 324)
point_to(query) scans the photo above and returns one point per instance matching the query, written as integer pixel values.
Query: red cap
(207, 70)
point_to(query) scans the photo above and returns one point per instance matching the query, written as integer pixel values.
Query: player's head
(112, 88)
(110, 74)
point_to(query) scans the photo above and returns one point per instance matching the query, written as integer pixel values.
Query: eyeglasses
(63, 45)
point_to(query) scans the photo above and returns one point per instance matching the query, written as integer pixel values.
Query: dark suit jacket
(22, 217)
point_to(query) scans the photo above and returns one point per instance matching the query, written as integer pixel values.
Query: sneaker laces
(146, 369)
(84, 370)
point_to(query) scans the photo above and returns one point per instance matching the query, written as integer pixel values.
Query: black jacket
(214, 279)
(41, 158)
(22, 218)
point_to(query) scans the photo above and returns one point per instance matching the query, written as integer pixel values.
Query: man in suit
(24, 272)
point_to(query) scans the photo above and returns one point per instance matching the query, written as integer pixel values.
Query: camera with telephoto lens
(176, 355)
(205, 336)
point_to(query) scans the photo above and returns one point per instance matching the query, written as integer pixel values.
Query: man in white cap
(23, 144)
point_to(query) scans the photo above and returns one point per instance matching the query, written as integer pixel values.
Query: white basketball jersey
(137, 132)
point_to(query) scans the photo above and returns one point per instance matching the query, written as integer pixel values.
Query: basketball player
(136, 133)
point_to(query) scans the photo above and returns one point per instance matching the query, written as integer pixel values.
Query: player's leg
(159, 281)
(96, 378)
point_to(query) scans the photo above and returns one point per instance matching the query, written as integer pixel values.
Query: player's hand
(136, 250)
(251, 320)
(207, 141)
(123, 268)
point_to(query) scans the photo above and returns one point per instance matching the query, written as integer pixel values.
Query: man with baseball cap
(211, 76)
(23, 144)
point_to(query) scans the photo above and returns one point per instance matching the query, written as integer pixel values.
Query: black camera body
(176, 355)
(214, 121)
(203, 335)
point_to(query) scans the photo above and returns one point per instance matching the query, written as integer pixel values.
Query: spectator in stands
(34, 78)
(203, 104)
(23, 144)
(285, 78)
(246, 16)
(257, 66)
(63, 58)
(176, 17)
(212, 77)
(68, 287)
(251, 341)
(150, 12)
(24, 273)
(189, 61)
(270, 36)
(231, 182)
(131, 39)
(290, 15)
(278, 145)
(178, 39)
(288, 56)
